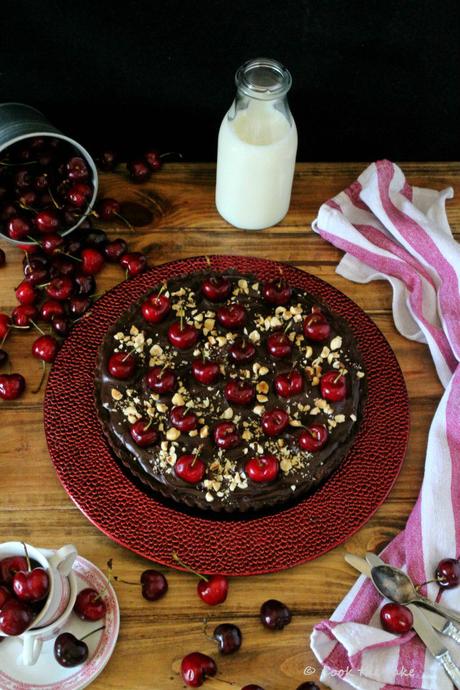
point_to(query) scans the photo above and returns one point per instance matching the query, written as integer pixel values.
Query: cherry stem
(337, 377)
(36, 390)
(171, 153)
(128, 354)
(71, 256)
(53, 199)
(92, 633)
(32, 239)
(196, 453)
(428, 582)
(17, 165)
(205, 630)
(35, 326)
(125, 582)
(125, 221)
(27, 557)
(27, 208)
(208, 261)
(190, 570)
(288, 326)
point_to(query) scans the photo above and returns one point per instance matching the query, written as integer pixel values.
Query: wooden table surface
(35, 508)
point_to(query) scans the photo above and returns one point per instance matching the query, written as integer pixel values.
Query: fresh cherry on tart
(289, 384)
(247, 410)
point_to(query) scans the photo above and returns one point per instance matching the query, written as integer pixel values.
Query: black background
(375, 78)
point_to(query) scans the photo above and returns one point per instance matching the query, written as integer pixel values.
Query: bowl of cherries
(48, 181)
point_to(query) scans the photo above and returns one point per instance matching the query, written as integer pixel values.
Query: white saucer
(47, 674)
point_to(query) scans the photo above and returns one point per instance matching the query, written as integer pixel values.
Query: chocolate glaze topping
(225, 486)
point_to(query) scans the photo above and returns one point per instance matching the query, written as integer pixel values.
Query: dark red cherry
(264, 468)
(18, 229)
(108, 208)
(15, 617)
(216, 288)
(275, 421)
(45, 347)
(62, 266)
(5, 595)
(96, 238)
(143, 433)
(84, 285)
(114, 250)
(242, 351)
(70, 651)
(308, 685)
(253, 687)
(448, 573)
(11, 386)
(161, 380)
(239, 392)
(107, 159)
(228, 638)
(60, 288)
(277, 291)
(396, 618)
(155, 308)
(121, 365)
(275, 615)
(333, 386)
(5, 324)
(28, 198)
(79, 305)
(77, 168)
(60, 325)
(279, 345)
(196, 667)
(24, 315)
(138, 170)
(154, 585)
(51, 243)
(316, 327)
(205, 371)
(313, 438)
(89, 605)
(26, 293)
(41, 182)
(232, 316)
(51, 308)
(134, 263)
(190, 468)
(92, 261)
(31, 585)
(213, 590)
(9, 566)
(22, 179)
(183, 419)
(8, 211)
(182, 335)
(47, 221)
(226, 435)
(79, 194)
(289, 383)
(153, 159)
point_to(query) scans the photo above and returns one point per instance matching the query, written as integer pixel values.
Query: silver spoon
(394, 584)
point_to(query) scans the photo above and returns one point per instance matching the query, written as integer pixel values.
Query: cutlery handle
(452, 631)
(450, 668)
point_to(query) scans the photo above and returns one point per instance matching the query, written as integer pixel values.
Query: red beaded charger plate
(133, 516)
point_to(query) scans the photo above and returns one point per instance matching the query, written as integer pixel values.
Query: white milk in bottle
(257, 148)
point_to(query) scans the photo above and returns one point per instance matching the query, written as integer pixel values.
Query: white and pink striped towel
(390, 230)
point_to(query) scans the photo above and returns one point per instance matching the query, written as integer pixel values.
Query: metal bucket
(19, 122)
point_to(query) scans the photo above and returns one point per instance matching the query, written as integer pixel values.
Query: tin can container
(19, 122)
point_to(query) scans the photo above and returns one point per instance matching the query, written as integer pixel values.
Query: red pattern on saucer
(80, 677)
(261, 543)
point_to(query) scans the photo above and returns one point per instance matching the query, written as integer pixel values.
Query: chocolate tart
(226, 486)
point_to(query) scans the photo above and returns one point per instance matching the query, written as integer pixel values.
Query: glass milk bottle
(257, 148)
